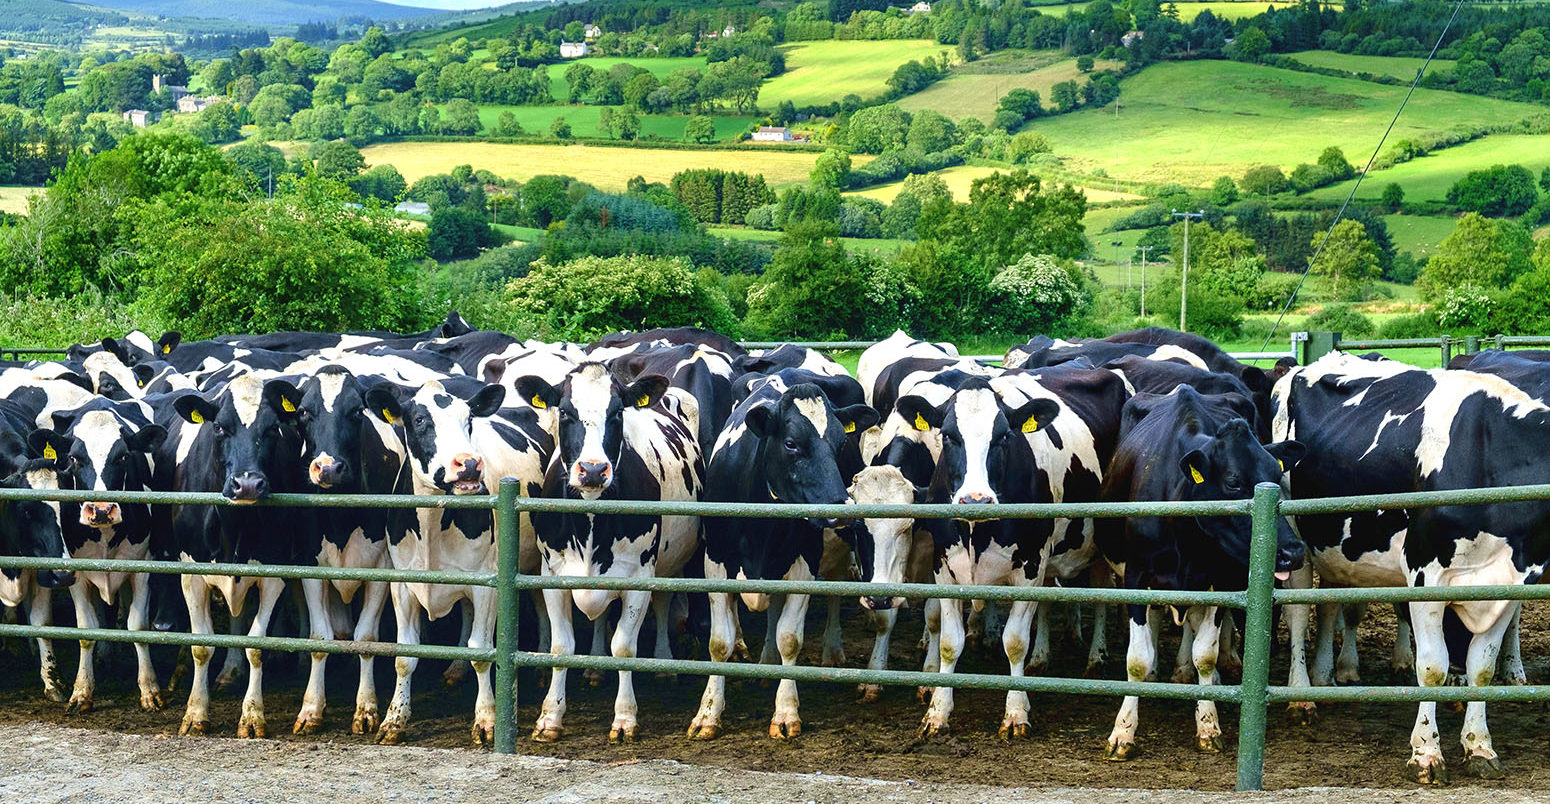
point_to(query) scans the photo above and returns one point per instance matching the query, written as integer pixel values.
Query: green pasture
(825, 71)
(583, 121)
(1429, 177)
(560, 88)
(973, 91)
(1403, 67)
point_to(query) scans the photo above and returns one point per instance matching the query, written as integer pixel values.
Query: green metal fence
(1253, 695)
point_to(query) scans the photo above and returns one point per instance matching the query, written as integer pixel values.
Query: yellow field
(962, 95)
(602, 167)
(14, 199)
(960, 178)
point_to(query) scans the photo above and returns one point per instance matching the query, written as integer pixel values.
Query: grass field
(14, 199)
(520, 234)
(825, 71)
(1428, 178)
(1396, 66)
(1419, 234)
(879, 245)
(960, 178)
(560, 88)
(1230, 9)
(975, 93)
(603, 167)
(1194, 121)
(583, 121)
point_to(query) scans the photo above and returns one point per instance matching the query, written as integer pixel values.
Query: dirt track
(1361, 746)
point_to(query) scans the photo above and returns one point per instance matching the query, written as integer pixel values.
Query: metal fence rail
(1253, 695)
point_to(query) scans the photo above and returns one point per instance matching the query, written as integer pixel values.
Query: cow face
(437, 426)
(31, 528)
(590, 408)
(978, 446)
(882, 545)
(801, 436)
(108, 454)
(331, 415)
(111, 377)
(251, 428)
(1227, 466)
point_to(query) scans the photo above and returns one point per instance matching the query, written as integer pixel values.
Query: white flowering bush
(1038, 295)
(1466, 307)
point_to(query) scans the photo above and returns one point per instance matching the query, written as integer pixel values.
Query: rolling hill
(267, 12)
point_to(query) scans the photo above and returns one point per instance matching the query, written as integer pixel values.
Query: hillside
(824, 72)
(973, 90)
(267, 12)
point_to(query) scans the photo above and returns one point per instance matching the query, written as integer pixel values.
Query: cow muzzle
(101, 515)
(593, 475)
(55, 579)
(881, 603)
(326, 472)
(246, 488)
(466, 477)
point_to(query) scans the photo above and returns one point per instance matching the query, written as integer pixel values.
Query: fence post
(507, 550)
(1447, 349)
(1317, 344)
(1501, 342)
(1258, 628)
(1471, 344)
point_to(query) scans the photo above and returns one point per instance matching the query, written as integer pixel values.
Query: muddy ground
(1351, 746)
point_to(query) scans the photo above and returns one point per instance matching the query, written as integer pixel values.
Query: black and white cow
(1384, 427)
(240, 441)
(615, 441)
(787, 356)
(109, 448)
(782, 446)
(887, 551)
(1187, 446)
(1043, 351)
(700, 371)
(896, 347)
(669, 336)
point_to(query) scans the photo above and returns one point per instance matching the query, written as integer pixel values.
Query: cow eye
(791, 445)
(419, 421)
(220, 430)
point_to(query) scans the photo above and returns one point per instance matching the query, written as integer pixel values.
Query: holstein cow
(891, 350)
(1187, 446)
(240, 441)
(782, 446)
(1384, 427)
(433, 425)
(615, 441)
(109, 449)
(670, 336)
(32, 459)
(887, 551)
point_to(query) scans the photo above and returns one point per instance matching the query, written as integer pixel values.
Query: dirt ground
(1351, 746)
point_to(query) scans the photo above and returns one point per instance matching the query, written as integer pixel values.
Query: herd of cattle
(686, 414)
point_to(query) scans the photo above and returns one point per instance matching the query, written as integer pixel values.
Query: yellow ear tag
(49, 453)
(538, 403)
(388, 416)
(850, 427)
(1281, 464)
(644, 401)
(1030, 425)
(285, 405)
(194, 417)
(1195, 474)
(166, 349)
(920, 423)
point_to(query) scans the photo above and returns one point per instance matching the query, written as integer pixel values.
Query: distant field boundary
(599, 142)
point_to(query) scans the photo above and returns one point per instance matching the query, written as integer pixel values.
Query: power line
(1184, 273)
(1360, 176)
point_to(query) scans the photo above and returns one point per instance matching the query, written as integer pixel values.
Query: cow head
(801, 436)
(107, 452)
(331, 415)
(978, 447)
(437, 426)
(590, 407)
(112, 378)
(882, 546)
(1227, 466)
(251, 426)
(30, 527)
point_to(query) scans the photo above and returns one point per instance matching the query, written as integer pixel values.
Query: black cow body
(670, 336)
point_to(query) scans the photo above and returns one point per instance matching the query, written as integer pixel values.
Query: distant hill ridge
(267, 12)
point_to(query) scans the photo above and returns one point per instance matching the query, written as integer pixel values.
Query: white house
(573, 50)
(921, 7)
(591, 31)
(1131, 37)
(191, 104)
(413, 208)
(140, 118)
(728, 31)
(772, 134)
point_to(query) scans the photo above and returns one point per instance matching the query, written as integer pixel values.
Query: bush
(1271, 292)
(1466, 308)
(1341, 318)
(1025, 145)
(589, 297)
(1418, 325)
(1501, 190)
(1263, 180)
(1037, 295)
(45, 322)
(761, 217)
(457, 234)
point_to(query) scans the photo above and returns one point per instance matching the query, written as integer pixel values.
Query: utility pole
(1184, 274)
(1116, 244)
(1143, 250)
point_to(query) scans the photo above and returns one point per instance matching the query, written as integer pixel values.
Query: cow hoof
(594, 678)
(1432, 772)
(55, 694)
(365, 720)
(1343, 677)
(786, 729)
(251, 728)
(307, 724)
(1484, 767)
(621, 735)
(390, 734)
(547, 734)
(833, 658)
(923, 695)
(1209, 745)
(870, 693)
(1094, 670)
(1038, 666)
(79, 705)
(1184, 675)
(455, 674)
(740, 652)
(1303, 713)
(1010, 731)
(483, 734)
(152, 701)
(704, 731)
(193, 728)
(1120, 751)
(930, 728)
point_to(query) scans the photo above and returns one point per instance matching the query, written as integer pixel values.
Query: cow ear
(284, 398)
(857, 418)
(537, 392)
(920, 413)
(76, 379)
(487, 401)
(492, 371)
(146, 439)
(1033, 415)
(646, 391)
(195, 409)
(108, 388)
(64, 420)
(13, 452)
(1287, 453)
(168, 341)
(143, 374)
(1255, 379)
(384, 404)
(760, 420)
(50, 446)
(116, 349)
(1195, 466)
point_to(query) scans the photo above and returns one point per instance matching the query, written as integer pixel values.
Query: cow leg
(1038, 658)
(310, 719)
(1140, 665)
(1403, 660)
(883, 621)
(562, 642)
(661, 612)
(406, 614)
(1184, 662)
(769, 653)
(1512, 657)
(1014, 638)
(1227, 660)
(481, 636)
(85, 681)
(932, 641)
(592, 675)
(723, 637)
(196, 718)
(1207, 650)
(40, 611)
(951, 636)
(1323, 672)
(252, 723)
(457, 672)
(833, 637)
(1347, 664)
(1098, 652)
(366, 626)
(1297, 617)
(632, 613)
(231, 666)
(139, 620)
(787, 722)
(543, 622)
(1426, 764)
(1484, 650)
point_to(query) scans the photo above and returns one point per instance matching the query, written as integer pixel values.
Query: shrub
(1464, 308)
(761, 217)
(457, 234)
(1501, 190)
(1418, 325)
(44, 321)
(1037, 295)
(592, 296)
(1263, 180)
(1341, 318)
